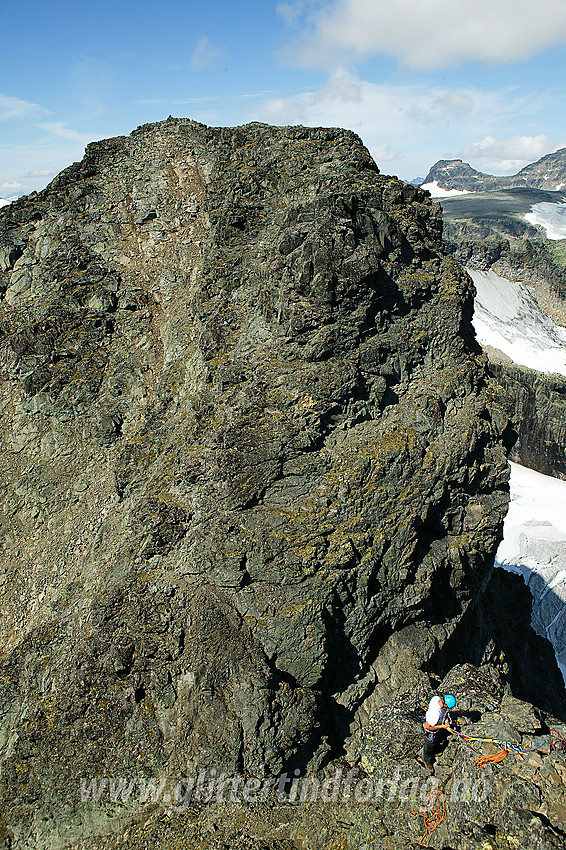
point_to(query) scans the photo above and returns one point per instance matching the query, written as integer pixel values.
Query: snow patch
(437, 191)
(507, 317)
(534, 546)
(552, 217)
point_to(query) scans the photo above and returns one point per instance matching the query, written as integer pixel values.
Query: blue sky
(419, 80)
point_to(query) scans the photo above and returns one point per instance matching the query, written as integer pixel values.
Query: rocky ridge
(547, 173)
(248, 441)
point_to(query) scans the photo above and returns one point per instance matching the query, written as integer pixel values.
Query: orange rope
(433, 815)
(493, 759)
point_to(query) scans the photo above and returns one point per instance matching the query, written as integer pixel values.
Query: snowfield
(534, 546)
(552, 217)
(437, 191)
(507, 317)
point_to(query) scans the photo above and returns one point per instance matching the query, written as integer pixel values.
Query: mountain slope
(490, 233)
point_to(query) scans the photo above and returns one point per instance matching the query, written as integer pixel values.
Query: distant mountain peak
(547, 173)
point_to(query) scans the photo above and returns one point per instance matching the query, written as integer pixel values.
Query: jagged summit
(548, 173)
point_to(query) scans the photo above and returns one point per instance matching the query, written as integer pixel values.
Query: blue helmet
(449, 700)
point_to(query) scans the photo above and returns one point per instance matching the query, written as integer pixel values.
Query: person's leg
(428, 750)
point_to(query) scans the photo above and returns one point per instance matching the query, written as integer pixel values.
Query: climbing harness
(433, 815)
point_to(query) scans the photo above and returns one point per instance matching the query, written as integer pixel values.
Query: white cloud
(11, 188)
(289, 12)
(344, 101)
(388, 110)
(293, 10)
(383, 153)
(58, 128)
(412, 124)
(41, 172)
(427, 34)
(507, 156)
(447, 108)
(12, 108)
(205, 55)
(518, 148)
(505, 166)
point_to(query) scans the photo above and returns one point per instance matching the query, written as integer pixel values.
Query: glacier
(507, 317)
(534, 546)
(551, 217)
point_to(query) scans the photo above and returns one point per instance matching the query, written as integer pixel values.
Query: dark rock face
(537, 404)
(548, 173)
(247, 438)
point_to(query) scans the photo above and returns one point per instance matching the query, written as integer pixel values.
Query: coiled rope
(433, 815)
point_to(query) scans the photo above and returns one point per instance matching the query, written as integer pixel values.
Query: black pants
(428, 751)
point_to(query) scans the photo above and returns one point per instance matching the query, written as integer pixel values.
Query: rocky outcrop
(536, 403)
(247, 439)
(547, 173)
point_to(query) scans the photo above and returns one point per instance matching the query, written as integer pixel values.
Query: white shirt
(434, 714)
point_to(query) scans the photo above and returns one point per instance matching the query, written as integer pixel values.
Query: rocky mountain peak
(249, 447)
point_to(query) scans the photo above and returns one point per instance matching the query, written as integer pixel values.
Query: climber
(437, 718)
